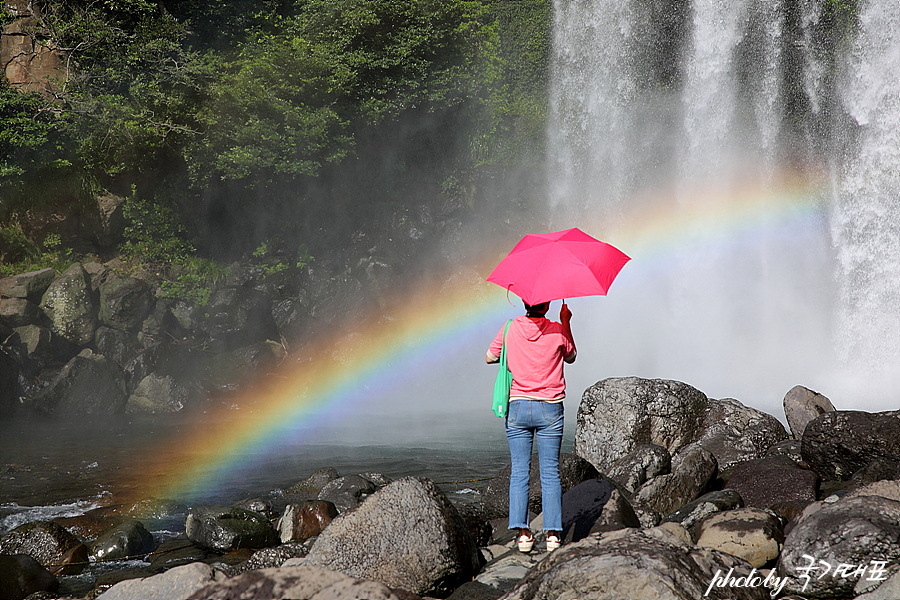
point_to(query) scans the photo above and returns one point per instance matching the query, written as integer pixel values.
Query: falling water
(658, 107)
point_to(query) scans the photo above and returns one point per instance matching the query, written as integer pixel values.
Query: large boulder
(852, 532)
(408, 535)
(157, 394)
(128, 539)
(21, 576)
(303, 521)
(69, 303)
(572, 471)
(838, 444)
(802, 405)
(31, 285)
(48, 543)
(224, 528)
(89, 384)
(735, 433)
(347, 492)
(693, 471)
(18, 312)
(772, 480)
(638, 564)
(125, 302)
(177, 583)
(296, 583)
(619, 414)
(753, 534)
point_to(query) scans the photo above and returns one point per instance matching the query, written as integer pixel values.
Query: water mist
(754, 164)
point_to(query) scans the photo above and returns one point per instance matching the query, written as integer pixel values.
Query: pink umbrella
(562, 264)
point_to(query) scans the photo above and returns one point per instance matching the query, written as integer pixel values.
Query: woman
(535, 351)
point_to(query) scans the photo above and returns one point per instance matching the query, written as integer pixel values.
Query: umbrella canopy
(562, 264)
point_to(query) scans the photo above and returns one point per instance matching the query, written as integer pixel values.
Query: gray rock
(296, 583)
(122, 347)
(880, 587)
(31, 285)
(70, 304)
(644, 463)
(225, 528)
(157, 394)
(638, 564)
(850, 531)
(594, 506)
(128, 539)
(735, 433)
(48, 543)
(310, 487)
(692, 473)
(617, 415)
(753, 534)
(37, 342)
(572, 471)
(695, 511)
(303, 521)
(347, 492)
(274, 556)
(789, 448)
(772, 480)
(125, 302)
(802, 405)
(407, 536)
(177, 583)
(838, 444)
(21, 576)
(18, 312)
(88, 385)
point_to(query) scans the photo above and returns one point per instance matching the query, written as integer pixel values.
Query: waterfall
(668, 111)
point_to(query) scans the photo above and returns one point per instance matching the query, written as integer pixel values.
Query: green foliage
(193, 281)
(19, 254)
(154, 234)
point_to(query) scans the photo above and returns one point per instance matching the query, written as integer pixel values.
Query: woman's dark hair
(537, 310)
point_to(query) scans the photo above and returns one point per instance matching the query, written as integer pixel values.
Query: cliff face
(29, 59)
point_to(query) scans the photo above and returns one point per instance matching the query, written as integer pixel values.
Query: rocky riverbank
(668, 494)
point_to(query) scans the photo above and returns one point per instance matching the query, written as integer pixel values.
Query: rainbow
(442, 316)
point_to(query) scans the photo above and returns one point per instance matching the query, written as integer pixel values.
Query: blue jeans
(526, 420)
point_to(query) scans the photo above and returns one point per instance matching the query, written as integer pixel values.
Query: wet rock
(125, 302)
(122, 347)
(48, 543)
(296, 583)
(18, 312)
(767, 481)
(853, 530)
(802, 405)
(838, 444)
(258, 505)
(90, 525)
(38, 343)
(407, 536)
(21, 576)
(572, 471)
(692, 473)
(88, 385)
(70, 305)
(31, 285)
(735, 433)
(291, 317)
(750, 533)
(619, 414)
(175, 553)
(606, 568)
(303, 521)
(595, 506)
(128, 539)
(157, 394)
(695, 511)
(175, 584)
(309, 488)
(237, 316)
(644, 463)
(347, 492)
(224, 528)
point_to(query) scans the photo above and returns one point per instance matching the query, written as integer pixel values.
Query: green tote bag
(504, 381)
